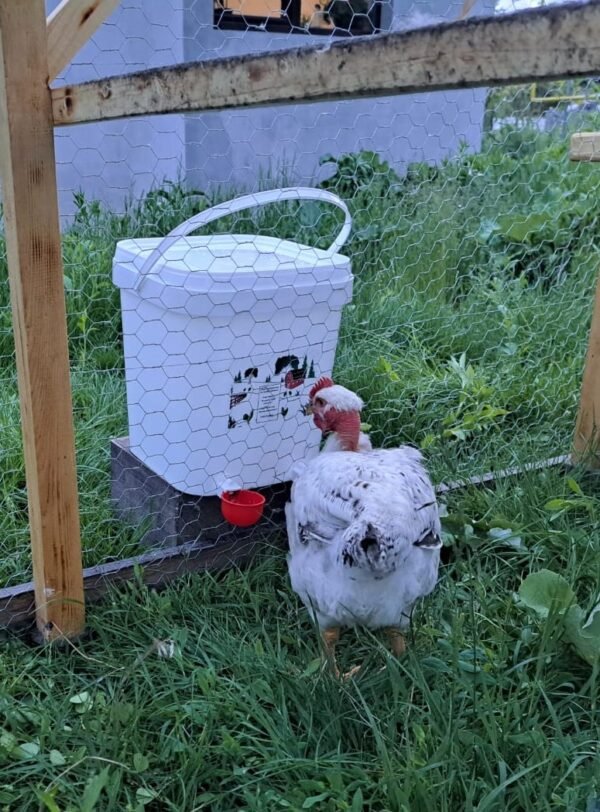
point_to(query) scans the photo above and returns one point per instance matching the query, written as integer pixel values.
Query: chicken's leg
(396, 640)
(330, 637)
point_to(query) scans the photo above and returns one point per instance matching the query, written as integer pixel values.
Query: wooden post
(35, 271)
(585, 147)
(585, 441)
(586, 448)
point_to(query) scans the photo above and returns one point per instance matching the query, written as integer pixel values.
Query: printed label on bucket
(269, 392)
(268, 402)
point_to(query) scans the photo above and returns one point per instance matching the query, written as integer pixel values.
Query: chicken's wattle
(347, 427)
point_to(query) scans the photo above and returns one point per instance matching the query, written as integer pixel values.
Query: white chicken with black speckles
(363, 526)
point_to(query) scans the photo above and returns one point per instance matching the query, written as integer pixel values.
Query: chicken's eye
(319, 402)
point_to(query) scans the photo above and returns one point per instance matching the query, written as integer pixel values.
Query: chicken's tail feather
(365, 547)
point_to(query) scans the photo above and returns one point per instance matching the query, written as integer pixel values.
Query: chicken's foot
(330, 638)
(396, 640)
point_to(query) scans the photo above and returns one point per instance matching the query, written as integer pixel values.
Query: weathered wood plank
(162, 566)
(550, 42)
(585, 147)
(35, 273)
(70, 26)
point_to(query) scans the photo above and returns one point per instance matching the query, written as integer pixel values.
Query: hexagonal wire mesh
(472, 257)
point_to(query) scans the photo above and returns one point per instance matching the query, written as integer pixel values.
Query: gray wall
(114, 161)
(236, 148)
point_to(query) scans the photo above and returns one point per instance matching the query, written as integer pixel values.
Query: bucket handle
(240, 204)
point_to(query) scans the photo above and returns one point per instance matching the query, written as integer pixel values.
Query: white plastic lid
(228, 262)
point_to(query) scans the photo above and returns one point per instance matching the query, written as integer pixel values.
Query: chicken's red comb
(322, 383)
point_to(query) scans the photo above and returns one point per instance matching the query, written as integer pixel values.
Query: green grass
(489, 710)
(466, 335)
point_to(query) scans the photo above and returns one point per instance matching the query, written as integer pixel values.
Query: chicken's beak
(308, 409)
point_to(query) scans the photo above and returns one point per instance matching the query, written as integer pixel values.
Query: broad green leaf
(436, 664)
(312, 667)
(57, 759)
(140, 763)
(469, 668)
(310, 214)
(574, 486)
(93, 790)
(263, 690)
(327, 159)
(546, 590)
(576, 503)
(505, 535)
(28, 750)
(520, 227)
(311, 802)
(384, 366)
(592, 624)
(122, 711)
(144, 795)
(370, 232)
(6, 795)
(428, 441)
(80, 699)
(47, 799)
(559, 504)
(530, 738)
(584, 639)
(357, 801)
(8, 741)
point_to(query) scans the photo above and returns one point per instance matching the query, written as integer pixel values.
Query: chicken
(363, 526)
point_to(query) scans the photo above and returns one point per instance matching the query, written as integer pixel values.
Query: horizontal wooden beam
(164, 565)
(585, 147)
(552, 42)
(70, 26)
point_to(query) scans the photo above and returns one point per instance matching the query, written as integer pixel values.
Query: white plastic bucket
(224, 335)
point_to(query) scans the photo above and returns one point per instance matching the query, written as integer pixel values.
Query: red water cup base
(242, 508)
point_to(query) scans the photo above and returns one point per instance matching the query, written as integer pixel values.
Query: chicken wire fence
(473, 255)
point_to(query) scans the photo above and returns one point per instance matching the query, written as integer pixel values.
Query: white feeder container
(224, 336)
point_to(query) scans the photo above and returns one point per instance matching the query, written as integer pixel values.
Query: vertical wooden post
(586, 446)
(31, 219)
(587, 429)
